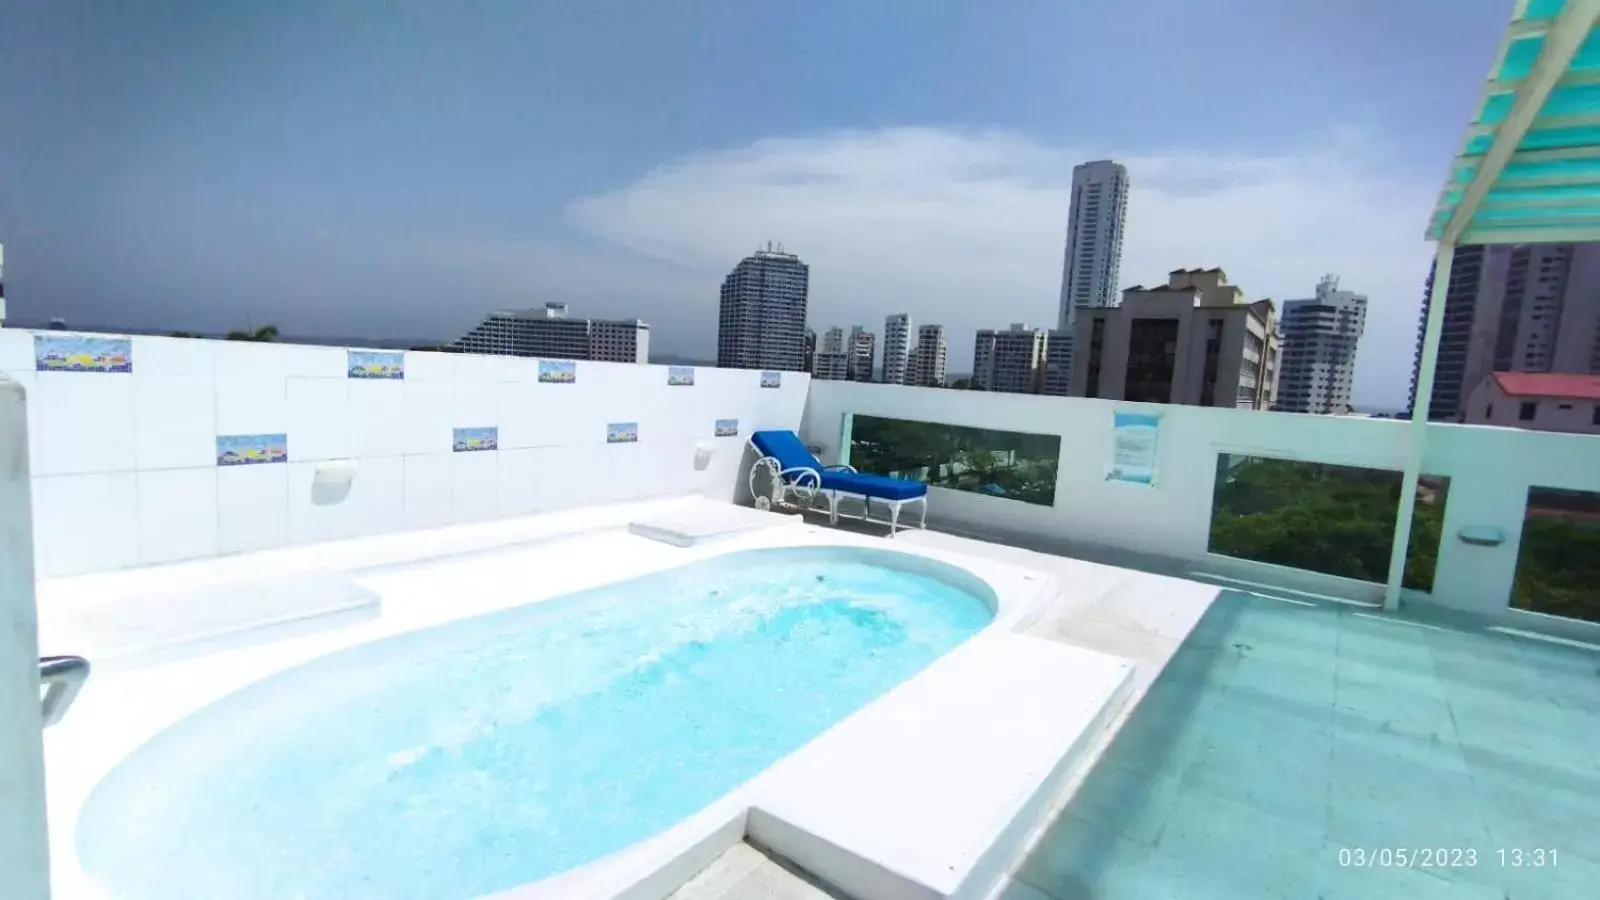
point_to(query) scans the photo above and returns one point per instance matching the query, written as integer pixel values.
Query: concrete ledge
(167, 627)
(930, 792)
(695, 527)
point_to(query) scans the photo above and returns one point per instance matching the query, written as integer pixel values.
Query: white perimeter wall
(125, 470)
(1490, 469)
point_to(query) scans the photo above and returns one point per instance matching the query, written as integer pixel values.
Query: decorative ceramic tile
(622, 433)
(252, 449)
(80, 353)
(771, 379)
(375, 364)
(469, 440)
(727, 428)
(558, 371)
(680, 376)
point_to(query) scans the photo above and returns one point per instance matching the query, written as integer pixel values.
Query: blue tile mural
(471, 440)
(622, 433)
(727, 428)
(252, 449)
(375, 364)
(680, 376)
(558, 371)
(81, 353)
(771, 379)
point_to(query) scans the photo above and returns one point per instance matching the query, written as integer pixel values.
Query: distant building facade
(831, 367)
(1009, 361)
(930, 359)
(551, 334)
(1193, 341)
(761, 321)
(1320, 338)
(1512, 308)
(863, 351)
(1057, 379)
(1541, 401)
(896, 348)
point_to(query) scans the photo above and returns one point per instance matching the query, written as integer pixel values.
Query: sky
(395, 170)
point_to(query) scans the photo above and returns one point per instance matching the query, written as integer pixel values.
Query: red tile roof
(1544, 384)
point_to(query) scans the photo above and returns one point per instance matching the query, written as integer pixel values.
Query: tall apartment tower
(1522, 308)
(1320, 336)
(811, 350)
(551, 334)
(863, 351)
(1094, 239)
(896, 348)
(1009, 360)
(761, 323)
(930, 358)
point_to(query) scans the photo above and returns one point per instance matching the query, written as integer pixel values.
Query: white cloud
(966, 229)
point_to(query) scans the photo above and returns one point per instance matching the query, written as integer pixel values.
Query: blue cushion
(880, 487)
(785, 447)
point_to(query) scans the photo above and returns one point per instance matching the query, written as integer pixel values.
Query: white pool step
(745, 873)
(691, 528)
(932, 796)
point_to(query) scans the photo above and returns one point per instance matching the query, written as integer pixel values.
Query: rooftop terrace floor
(1294, 751)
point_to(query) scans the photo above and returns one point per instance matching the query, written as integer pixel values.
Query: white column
(1419, 425)
(24, 850)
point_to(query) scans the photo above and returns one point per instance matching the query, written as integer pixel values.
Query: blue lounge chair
(793, 473)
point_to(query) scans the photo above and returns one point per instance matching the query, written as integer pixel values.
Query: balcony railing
(1507, 522)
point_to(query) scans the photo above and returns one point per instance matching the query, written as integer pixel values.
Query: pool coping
(103, 730)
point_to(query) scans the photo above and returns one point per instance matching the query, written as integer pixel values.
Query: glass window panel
(1558, 564)
(1320, 517)
(1010, 465)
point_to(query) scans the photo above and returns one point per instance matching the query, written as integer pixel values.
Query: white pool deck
(935, 790)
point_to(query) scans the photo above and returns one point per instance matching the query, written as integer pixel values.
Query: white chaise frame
(802, 485)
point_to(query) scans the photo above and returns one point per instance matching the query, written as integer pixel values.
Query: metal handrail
(61, 677)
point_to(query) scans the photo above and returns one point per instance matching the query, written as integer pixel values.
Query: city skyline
(407, 205)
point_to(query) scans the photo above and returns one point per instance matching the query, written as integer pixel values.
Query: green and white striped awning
(1529, 170)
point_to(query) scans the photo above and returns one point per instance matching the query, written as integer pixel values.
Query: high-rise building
(1009, 360)
(1193, 340)
(1094, 239)
(811, 350)
(896, 348)
(1512, 308)
(983, 360)
(1320, 336)
(831, 366)
(551, 334)
(832, 340)
(761, 323)
(1057, 379)
(863, 350)
(930, 358)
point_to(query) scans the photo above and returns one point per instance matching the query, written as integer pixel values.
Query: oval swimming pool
(495, 751)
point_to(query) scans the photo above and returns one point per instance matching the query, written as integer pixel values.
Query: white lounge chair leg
(923, 522)
(833, 507)
(894, 517)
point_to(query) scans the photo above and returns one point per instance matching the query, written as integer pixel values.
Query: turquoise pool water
(488, 753)
(1295, 752)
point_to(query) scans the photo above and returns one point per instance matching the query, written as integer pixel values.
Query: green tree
(264, 333)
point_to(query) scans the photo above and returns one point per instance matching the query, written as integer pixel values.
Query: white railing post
(24, 847)
(1418, 438)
